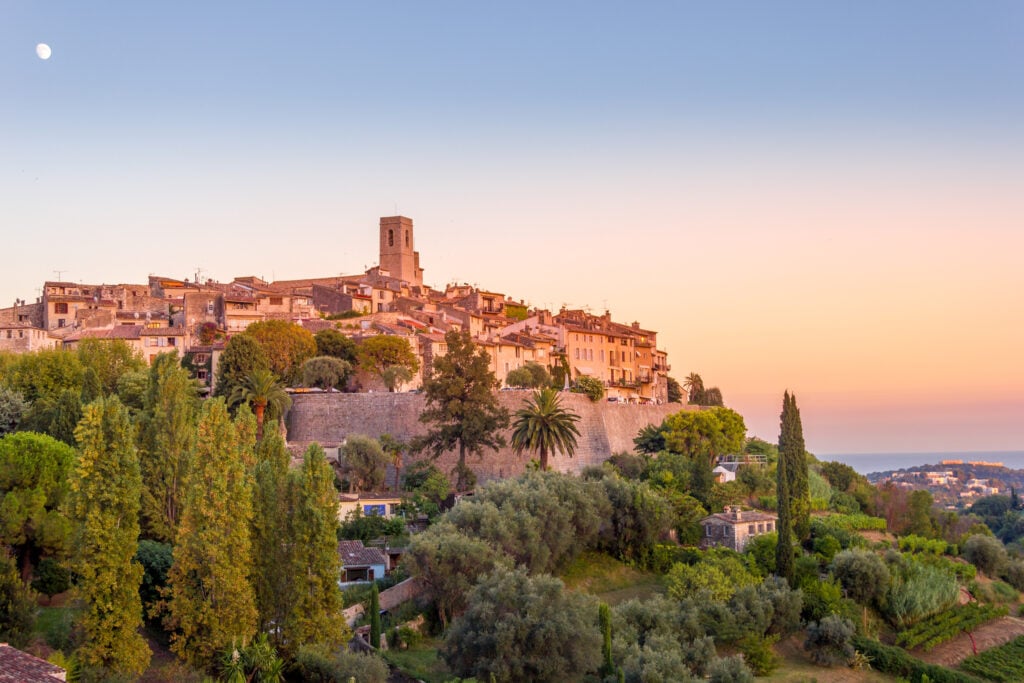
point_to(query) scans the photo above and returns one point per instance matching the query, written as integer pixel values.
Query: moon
(43, 51)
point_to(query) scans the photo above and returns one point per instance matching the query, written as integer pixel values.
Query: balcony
(624, 383)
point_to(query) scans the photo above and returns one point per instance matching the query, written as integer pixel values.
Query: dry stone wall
(605, 428)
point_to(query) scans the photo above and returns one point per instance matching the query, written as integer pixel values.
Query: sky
(821, 197)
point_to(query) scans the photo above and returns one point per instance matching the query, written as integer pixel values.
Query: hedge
(896, 661)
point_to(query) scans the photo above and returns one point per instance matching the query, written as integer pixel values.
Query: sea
(866, 463)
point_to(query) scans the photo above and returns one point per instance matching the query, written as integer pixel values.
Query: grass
(611, 580)
(421, 661)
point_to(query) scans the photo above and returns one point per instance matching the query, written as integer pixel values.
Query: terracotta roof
(355, 554)
(746, 516)
(20, 667)
(162, 331)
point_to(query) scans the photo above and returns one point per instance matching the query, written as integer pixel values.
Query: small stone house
(735, 527)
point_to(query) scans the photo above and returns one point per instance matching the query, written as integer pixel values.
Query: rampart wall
(605, 428)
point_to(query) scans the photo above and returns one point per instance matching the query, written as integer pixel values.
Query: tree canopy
(333, 343)
(242, 356)
(462, 409)
(376, 354)
(705, 433)
(286, 345)
(544, 426)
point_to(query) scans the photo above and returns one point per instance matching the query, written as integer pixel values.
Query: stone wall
(605, 428)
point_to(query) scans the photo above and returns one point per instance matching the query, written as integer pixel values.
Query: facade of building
(735, 527)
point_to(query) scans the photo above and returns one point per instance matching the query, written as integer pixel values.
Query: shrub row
(894, 661)
(947, 625)
(920, 544)
(855, 522)
(1003, 663)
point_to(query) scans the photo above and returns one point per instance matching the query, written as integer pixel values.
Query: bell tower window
(391, 238)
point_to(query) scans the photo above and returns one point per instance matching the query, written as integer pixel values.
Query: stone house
(24, 338)
(380, 504)
(735, 527)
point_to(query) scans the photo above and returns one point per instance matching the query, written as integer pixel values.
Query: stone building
(735, 527)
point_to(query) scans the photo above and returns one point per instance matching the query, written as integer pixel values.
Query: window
(276, 300)
(394, 508)
(209, 307)
(750, 529)
(577, 354)
(60, 308)
(201, 375)
(391, 238)
(60, 323)
(406, 238)
(171, 341)
(374, 510)
(8, 334)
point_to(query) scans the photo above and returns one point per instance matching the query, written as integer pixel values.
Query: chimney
(737, 513)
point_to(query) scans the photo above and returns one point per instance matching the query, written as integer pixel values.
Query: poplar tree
(271, 535)
(791, 447)
(166, 444)
(316, 612)
(106, 488)
(211, 601)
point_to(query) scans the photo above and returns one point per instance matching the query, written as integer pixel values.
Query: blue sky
(791, 192)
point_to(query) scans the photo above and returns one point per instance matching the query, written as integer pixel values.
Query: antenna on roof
(60, 274)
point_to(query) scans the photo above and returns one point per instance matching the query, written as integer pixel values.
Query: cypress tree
(604, 614)
(211, 601)
(791, 447)
(316, 611)
(66, 415)
(374, 616)
(106, 489)
(784, 548)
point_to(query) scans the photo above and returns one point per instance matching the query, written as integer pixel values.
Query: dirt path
(988, 635)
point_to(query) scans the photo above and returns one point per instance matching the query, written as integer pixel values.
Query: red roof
(20, 667)
(355, 554)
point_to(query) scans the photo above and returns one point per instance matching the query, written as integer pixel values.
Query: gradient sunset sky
(824, 197)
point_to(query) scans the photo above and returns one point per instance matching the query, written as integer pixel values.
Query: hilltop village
(197, 317)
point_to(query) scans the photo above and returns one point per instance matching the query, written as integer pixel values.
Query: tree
(325, 372)
(210, 599)
(863, 575)
(286, 345)
(374, 610)
(544, 426)
(106, 489)
(34, 472)
(316, 612)
(650, 439)
(448, 564)
(462, 410)
(705, 434)
(265, 393)
(92, 388)
(694, 386)
(333, 343)
(109, 359)
(166, 443)
(12, 408)
(675, 390)
(530, 376)
(793, 462)
(17, 603)
(40, 378)
(364, 462)
(242, 356)
(394, 376)
(604, 618)
(393, 448)
(592, 387)
(376, 354)
(66, 414)
(830, 640)
(523, 628)
(985, 553)
(271, 536)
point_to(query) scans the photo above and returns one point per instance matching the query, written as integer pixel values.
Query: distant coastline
(866, 463)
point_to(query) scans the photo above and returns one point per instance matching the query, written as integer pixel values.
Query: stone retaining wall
(605, 428)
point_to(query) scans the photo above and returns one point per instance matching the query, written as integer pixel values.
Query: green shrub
(317, 665)
(729, 670)
(920, 544)
(829, 641)
(51, 577)
(591, 386)
(947, 625)
(758, 654)
(985, 553)
(918, 591)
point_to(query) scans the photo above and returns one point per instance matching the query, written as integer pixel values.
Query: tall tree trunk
(543, 459)
(260, 408)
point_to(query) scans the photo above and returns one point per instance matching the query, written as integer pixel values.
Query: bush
(862, 574)
(918, 591)
(591, 386)
(829, 641)
(985, 553)
(758, 654)
(317, 665)
(1014, 574)
(51, 577)
(729, 670)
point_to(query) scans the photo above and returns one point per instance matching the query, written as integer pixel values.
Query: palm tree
(542, 425)
(694, 386)
(262, 389)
